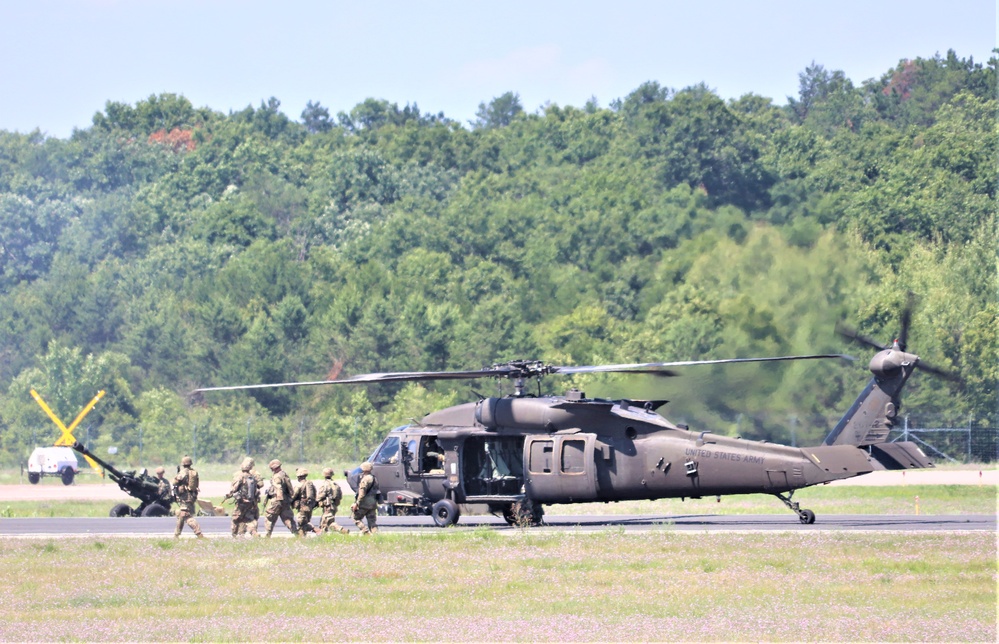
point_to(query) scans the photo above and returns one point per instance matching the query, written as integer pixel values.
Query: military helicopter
(511, 455)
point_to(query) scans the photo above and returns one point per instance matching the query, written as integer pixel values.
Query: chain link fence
(952, 444)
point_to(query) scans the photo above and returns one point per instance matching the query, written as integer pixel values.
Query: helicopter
(511, 455)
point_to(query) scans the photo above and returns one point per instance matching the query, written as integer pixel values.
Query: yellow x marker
(67, 432)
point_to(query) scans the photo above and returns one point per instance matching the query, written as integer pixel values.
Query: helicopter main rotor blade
(662, 368)
(906, 319)
(515, 369)
(851, 333)
(400, 376)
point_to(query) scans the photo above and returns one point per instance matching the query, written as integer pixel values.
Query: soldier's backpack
(309, 495)
(335, 494)
(248, 489)
(192, 484)
(288, 488)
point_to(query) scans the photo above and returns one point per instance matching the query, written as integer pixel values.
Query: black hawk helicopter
(510, 455)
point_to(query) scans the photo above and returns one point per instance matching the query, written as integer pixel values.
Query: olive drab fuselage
(571, 449)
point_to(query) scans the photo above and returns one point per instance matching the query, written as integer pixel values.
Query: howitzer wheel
(155, 510)
(121, 510)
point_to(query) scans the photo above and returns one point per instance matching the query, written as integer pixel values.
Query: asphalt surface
(219, 526)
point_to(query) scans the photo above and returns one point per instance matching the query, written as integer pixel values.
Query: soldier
(186, 486)
(304, 500)
(328, 497)
(245, 491)
(254, 515)
(366, 503)
(162, 484)
(279, 500)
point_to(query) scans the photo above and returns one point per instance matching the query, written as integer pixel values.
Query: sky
(62, 60)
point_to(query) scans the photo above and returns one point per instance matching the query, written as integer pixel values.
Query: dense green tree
(499, 112)
(316, 118)
(185, 247)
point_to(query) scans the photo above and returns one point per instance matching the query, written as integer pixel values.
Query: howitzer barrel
(116, 474)
(141, 486)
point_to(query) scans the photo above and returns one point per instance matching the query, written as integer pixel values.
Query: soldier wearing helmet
(366, 502)
(185, 486)
(279, 500)
(245, 491)
(304, 500)
(328, 497)
(163, 487)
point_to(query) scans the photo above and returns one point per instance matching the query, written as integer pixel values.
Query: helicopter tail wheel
(807, 517)
(445, 513)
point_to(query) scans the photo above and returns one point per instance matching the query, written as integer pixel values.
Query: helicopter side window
(433, 456)
(572, 457)
(541, 457)
(388, 453)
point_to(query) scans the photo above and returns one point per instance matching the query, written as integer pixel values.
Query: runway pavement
(218, 527)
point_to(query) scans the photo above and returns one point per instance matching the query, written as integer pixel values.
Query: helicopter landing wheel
(445, 513)
(807, 517)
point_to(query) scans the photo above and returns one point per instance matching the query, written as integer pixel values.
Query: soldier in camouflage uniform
(279, 500)
(254, 515)
(328, 497)
(245, 491)
(162, 484)
(304, 500)
(186, 487)
(366, 503)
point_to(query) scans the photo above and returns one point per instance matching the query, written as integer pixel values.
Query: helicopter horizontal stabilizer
(903, 455)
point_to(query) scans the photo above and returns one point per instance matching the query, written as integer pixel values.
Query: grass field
(933, 499)
(654, 586)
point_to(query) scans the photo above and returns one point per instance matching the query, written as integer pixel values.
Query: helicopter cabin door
(560, 469)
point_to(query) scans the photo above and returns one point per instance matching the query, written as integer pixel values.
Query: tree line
(167, 247)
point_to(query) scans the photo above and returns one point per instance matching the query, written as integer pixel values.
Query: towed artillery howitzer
(154, 501)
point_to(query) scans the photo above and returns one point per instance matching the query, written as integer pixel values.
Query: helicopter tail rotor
(901, 341)
(872, 416)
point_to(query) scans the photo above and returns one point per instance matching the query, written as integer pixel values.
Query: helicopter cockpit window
(388, 453)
